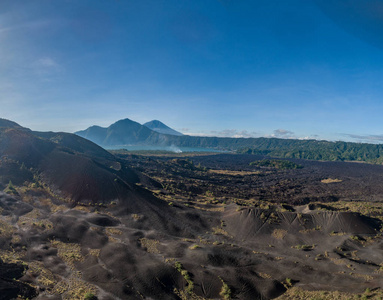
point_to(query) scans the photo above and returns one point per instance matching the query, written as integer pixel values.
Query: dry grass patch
(58, 208)
(150, 245)
(318, 228)
(6, 229)
(83, 208)
(188, 240)
(16, 239)
(74, 288)
(279, 233)
(136, 217)
(366, 208)
(339, 261)
(94, 252)
(113, 240)
(215, 208)
(115, 231)
(195, 246)
(218, 230)
(331, 180)
(44, 276)
(334, 233)
(203, 241)
(264, 275)
(186, 295)
(68, 252)
(304, 247)
(362, 276)
(299, 294)
(235, 173)
(33, 219)
(12, 257)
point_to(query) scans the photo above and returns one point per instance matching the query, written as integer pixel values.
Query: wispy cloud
(283, 133)
(28, 26)
(47, 62)
(5, 29)
(46, 67)
(233, 133)
(377, 138)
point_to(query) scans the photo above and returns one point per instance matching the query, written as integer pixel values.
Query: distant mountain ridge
(123, 132)
(160, 127)
(127, 132)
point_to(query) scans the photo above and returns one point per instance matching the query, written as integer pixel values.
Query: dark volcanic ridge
(74, 167)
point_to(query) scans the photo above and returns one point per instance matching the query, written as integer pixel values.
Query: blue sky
(296, 68)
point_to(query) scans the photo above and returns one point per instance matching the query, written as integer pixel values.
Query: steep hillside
(71, 166)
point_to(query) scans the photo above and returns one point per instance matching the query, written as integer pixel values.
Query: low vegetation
(304, 247)
(225, 291)
(150, 245)
(295, 293)
(315, 150)
(68, 252)
(186, 275)
(276, 164)
(10, 189)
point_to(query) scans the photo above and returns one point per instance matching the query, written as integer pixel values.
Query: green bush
(10, 189)
(89, 296)
(277, 164)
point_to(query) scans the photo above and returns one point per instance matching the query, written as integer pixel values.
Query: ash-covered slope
(160, 127)
(71, 166)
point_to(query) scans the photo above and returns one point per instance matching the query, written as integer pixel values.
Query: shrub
(225, 291)
(195, 246)
(89, 296)
(11, 189)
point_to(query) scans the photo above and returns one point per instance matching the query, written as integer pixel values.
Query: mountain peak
(126, 120)
(160, 127)
(155, 122)
(122, 132)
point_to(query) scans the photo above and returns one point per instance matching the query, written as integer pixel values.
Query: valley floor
(211, 227)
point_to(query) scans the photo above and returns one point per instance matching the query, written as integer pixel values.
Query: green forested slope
(316, 150)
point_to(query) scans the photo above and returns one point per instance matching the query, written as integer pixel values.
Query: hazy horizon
(302, 69)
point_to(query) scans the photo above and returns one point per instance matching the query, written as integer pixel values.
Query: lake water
(164, 148)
